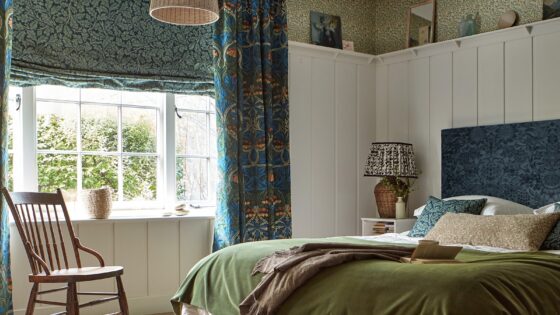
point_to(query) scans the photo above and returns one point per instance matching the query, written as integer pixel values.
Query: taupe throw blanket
(285, 271)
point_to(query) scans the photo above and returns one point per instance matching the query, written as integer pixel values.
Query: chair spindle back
(38, 219)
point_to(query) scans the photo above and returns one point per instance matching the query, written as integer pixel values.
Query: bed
(518, 162)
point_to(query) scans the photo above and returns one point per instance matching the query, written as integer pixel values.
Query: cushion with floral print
(436, 208)
(552, 242)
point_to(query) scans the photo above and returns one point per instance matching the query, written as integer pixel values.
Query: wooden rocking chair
(38, 216)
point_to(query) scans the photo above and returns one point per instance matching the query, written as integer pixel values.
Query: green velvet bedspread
(487, 283)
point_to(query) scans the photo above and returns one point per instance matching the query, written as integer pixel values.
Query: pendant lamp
(185, 12)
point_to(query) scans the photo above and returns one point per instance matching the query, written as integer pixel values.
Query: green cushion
(552, 242)
(436, 208)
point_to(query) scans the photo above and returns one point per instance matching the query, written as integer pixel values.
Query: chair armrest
(39, 261)
(92, 252)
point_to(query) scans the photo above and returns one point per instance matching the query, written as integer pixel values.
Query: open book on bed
(430, 252)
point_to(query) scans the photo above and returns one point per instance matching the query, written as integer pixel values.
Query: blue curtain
(251, 81)
(5, 64)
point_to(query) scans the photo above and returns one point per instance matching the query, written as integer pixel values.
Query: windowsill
(142, 215)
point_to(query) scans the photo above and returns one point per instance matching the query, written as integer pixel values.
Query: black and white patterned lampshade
(391, 159)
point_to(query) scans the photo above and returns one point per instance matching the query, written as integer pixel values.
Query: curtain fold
(251, 81)
(5, 64)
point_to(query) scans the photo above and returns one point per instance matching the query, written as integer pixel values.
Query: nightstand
(378, 226)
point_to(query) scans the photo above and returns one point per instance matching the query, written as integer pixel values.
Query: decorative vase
(467, 26)
(400, 208)
(98, 202)
(386, 200)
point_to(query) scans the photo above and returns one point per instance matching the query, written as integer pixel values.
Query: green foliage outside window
(60, 170)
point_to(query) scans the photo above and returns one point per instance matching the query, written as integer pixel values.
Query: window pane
(194, 102)
(191, 133)
(213, 180)
(55, 92)
(140, 179)
(213, 137)
(100, 128)
(139, 130)
(57, 171)
(56, 126)
(14, 92)
(10, 172)
(100, 171)
(192, 179)
(143, 98)
(101, 96)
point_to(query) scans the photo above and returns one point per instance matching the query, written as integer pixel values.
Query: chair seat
(77, 274)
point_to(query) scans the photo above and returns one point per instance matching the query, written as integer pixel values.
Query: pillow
(436, 208)
(524, 232)
(551, 208)
(494, 206)
(552, 242)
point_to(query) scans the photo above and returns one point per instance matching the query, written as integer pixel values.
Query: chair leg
(32, 298)
(122, 296)
(72, 307)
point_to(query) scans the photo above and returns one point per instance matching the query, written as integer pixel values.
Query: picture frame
(326, 30)
(551, 9)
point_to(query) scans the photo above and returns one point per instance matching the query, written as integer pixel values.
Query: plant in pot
(396, 192)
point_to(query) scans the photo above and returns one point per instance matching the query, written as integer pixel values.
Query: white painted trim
(518, 32)
(309, 50)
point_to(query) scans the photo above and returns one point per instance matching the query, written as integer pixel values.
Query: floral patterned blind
(110, 44)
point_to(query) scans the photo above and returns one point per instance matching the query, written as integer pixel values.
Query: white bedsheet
(402, 238)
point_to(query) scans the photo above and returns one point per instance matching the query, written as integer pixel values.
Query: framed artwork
(551, 9)
(326, 30)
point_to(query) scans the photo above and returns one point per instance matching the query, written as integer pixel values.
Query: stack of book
(383, 227)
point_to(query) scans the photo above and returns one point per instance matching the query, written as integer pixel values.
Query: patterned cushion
(524, 232)
(436, 208)
(552, 242)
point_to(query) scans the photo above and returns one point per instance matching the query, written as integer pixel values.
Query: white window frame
(25, 152)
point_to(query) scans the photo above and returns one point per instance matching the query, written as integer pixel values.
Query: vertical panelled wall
(332, 124)
(156, 255)
(506, 77)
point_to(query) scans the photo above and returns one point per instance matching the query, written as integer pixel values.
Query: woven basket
(98, 202)
(386, 201)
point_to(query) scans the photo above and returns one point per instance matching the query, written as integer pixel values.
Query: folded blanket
(285, 271)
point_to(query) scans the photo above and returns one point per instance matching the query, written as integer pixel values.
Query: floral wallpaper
(358, 20)
(379, 26)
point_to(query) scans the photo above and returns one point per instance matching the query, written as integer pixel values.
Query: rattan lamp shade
(185, 12)
(391, 159)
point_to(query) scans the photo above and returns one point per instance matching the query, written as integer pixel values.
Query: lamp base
(386, 201)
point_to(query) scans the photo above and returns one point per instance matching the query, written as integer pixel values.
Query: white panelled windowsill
(142, 215)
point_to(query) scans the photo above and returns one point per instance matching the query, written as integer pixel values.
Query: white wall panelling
(519, 80)
(465, 91)
(156, 255)
(493, 78)
(491, 108)
(332, 123)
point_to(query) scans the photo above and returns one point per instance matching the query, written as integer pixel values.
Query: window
(14, 101)
(195, 134)
(93, 138)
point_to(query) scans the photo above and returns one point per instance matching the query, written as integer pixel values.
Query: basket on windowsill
(98, 202)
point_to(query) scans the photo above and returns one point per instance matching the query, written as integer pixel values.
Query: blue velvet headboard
(518, 162)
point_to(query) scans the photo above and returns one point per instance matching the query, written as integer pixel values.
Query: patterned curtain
(251, 80)
(5, 64)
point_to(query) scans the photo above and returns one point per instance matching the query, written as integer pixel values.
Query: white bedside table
(378, 226)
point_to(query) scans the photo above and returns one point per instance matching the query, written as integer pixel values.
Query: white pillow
(494, 206)
(551, 208)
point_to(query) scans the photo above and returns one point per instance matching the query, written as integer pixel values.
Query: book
(433, 253)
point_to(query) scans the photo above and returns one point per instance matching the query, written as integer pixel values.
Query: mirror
(421, 24)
